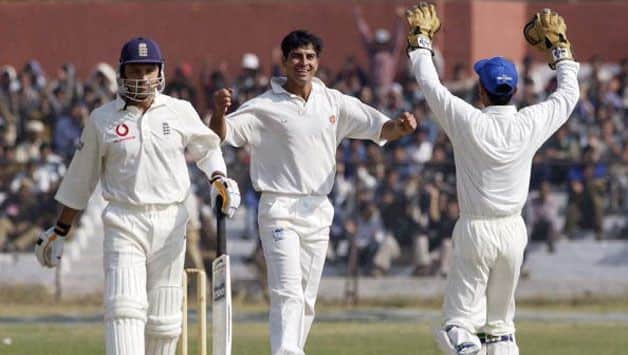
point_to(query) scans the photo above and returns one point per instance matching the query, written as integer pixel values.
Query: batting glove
(227, 189)
(49, 246)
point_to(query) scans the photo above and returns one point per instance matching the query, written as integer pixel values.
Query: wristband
(62, 229)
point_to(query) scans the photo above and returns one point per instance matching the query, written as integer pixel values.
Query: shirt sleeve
(84, 171)
(242, 126)
(203, 144)
(358, 120)
(451, 112)
(546, 117)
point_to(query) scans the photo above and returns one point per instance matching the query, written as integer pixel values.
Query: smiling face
(301, 65)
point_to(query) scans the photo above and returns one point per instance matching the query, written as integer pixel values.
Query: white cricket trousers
(144, 248)
(485, 267)
(295, 232)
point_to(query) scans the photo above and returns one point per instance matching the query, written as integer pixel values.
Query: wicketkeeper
(493, 149)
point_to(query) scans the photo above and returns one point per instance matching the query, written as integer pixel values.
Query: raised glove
(227, 189)
(424, 23)
(49, 246)
(547, 32)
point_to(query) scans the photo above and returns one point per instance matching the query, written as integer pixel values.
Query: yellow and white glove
(227, 189)
(49, 245)
(547, 32)
(424, 23)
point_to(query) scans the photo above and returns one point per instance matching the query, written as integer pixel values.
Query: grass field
(332, 339)
(394, 337)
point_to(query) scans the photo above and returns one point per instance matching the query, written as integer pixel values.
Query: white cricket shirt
(494, 147)
(293, 141)
(140, 158)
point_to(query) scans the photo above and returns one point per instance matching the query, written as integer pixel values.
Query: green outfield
(331, 339)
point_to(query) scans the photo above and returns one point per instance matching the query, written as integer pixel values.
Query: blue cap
(497, 75)
(140, 50)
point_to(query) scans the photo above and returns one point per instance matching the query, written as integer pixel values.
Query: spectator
(67, 83)
(409, 182)
(68, 130)
(101, 86)
(19, 222)
(441, 241)
(375, 249)
(251, 81)
(29, 149)
(180, 85)
(383, 51)
(586, 188)
(542, 216)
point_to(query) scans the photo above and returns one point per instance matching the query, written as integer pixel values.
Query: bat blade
(221, 306)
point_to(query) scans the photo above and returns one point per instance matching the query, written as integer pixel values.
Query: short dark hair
(300, 38)
(499, 99)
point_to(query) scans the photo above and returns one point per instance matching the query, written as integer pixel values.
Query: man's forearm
(67, 215)
(391, 131)
(217, 124)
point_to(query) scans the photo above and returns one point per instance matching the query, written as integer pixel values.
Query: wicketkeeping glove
(424, 23)
(547, 32)
(229, 192)
(49, 246)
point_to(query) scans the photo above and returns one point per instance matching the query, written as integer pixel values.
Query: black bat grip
(221, 240)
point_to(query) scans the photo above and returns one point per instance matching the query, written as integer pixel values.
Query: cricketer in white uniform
(493, 150)
(293, 130)
(135, 147)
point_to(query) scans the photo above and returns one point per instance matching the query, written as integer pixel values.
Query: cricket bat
(221, 291)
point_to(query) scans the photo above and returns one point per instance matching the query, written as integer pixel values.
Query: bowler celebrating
(493, 150)
(293, 130)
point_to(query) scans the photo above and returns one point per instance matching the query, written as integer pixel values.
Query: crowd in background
(395, 204)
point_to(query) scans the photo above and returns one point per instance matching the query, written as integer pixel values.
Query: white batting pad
(124, 336)
(502, 348)
(164, 320)
(125, 304)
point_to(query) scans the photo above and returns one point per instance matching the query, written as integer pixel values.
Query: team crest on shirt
(278, 234)
(332, 119)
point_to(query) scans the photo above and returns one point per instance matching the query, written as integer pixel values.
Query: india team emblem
(142, 50)
(122, 130)
(332, 119)
(278, 234)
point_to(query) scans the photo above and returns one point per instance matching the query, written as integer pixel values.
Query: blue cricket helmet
(140, 50)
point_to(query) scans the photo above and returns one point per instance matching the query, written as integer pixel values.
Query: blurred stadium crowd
(394, 205)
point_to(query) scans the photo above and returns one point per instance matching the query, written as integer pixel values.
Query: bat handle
(221, 247)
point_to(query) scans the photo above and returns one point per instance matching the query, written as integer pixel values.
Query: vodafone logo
(332, 119)
(122, 130)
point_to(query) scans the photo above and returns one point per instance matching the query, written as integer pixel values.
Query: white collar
(500, 110)
(277, 82)
(159, 100)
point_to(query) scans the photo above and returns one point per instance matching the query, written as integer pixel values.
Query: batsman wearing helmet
(135, 147)
(493, 149)
(293, 130)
